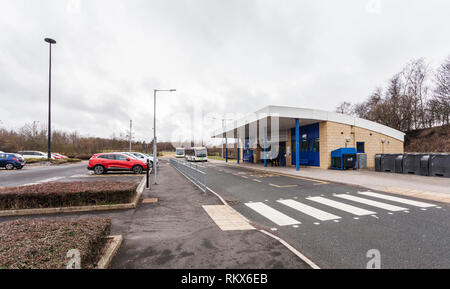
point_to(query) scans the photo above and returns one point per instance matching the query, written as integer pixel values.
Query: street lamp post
(155, 141)
(49, 145)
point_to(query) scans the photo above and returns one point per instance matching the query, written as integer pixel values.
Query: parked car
(11, 161)
(56, 156)
(33, 155)
(61, 156)
(144, 157)
(102, 163)
(151, 159)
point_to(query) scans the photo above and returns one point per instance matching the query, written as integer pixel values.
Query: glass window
(317, 145)
(121, 157)
(360, 147)
(311, 147)
(304, 146)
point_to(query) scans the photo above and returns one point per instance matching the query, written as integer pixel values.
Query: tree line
(33, 137)
(417, 97)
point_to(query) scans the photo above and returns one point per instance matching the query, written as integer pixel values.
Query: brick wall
(333, 136)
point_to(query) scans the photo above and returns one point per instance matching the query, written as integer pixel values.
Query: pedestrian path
(294, 212)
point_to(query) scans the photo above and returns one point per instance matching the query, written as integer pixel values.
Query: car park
(105, 162)
(11, 161)
(33, 155)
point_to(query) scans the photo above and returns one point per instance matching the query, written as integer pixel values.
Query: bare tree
(441, 98)
(344, 108)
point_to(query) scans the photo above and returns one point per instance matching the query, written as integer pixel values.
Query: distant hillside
(436, 139)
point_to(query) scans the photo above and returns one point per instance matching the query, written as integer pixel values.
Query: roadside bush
(54, 195)
(43, 244)
(52, 161)
(84, 157)
(34, 161)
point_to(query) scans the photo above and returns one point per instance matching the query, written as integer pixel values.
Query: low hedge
(52, 161)
(71, 194)
(44, 244)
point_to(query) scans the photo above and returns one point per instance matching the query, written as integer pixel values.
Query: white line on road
(308, 210)
(398, 200)
(44, 181)
(273, 215)
(341, 206)
(371, 203)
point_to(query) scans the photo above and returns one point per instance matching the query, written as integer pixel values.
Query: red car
(102, 163)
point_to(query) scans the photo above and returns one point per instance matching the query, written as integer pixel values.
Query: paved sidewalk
(419, 186)
(178, 233)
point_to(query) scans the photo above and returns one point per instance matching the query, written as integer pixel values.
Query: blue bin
(344, 159)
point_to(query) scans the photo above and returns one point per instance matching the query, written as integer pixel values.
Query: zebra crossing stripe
(273, 215)
(341, 206)
(381, 205)
(398, 200)
(308, 210)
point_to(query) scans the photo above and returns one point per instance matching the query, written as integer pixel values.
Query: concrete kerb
(47, 211)
(111, 251)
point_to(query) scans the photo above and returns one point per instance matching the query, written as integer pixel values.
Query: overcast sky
(223, 57)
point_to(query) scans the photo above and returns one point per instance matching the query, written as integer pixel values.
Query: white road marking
(308, 210)
(371, 203)
(51, 180)
(273, 215)
(398, 200)
(343, 207)
(44, 181)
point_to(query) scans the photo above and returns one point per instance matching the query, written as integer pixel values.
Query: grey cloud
(222, 56)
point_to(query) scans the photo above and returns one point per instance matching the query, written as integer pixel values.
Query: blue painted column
(297, 144)
(226, 151)
(238, 151)
(265, 149)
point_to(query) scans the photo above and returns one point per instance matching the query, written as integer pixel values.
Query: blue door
(309, 146)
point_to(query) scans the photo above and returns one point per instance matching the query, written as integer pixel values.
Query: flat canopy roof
(287, 116)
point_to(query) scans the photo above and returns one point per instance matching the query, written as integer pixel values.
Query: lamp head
(49, 40)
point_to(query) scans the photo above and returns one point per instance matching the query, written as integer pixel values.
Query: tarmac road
(41, 174)
(339, 226)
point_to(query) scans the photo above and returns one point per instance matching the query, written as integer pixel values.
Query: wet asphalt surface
(175, 233)
(416, 238)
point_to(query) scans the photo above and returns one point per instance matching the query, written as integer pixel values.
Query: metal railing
(191, 171)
